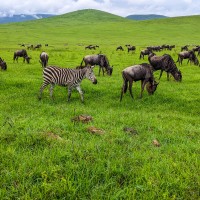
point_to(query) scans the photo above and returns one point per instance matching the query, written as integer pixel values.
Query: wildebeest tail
(82, 62)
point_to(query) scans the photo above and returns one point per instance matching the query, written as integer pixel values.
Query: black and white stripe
(70, 78)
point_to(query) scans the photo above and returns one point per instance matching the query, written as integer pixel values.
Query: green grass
(36, 164)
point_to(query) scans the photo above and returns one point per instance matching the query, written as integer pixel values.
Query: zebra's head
(90, 74)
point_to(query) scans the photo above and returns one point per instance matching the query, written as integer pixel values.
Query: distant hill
(145, 17)
(22, 17)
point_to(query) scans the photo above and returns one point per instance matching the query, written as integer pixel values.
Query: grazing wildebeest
(145, 52)
(155, 48)
(38, 46)
(165, 63)
(44, 59)
(119, 48)
(30, 46)
(190, 55)
(70, 78)
(142, 72)
(131, 48)
(3, 64)
(90, 47)
(184, 48)
(99, 59)
(21, 53)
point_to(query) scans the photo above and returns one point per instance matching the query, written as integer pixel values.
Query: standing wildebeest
(99, 59)
(165, 63)
(190, 55)
(70, 78)
(131, 48)
(44, 59)
(145, 52)
(142, 72)
(3, 64)
(21, 53)
(120, 48)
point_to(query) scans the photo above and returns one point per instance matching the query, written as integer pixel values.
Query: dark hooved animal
(119, 48)
(145, 52)
(3, 64)
(44, 59)
(90, 47)
(99, 59)
(165, 63)
(184, 48)
(142, 72)
(131, 48)
(190, 55)
(21, 53)
(70, 78)
(37, 46)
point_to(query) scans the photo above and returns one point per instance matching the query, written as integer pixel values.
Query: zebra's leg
(51, 90)
(80, 92)
(44, 85)
(69, 93)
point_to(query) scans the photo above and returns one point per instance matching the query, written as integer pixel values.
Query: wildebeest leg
(80, 92)
(130, 88)
(124, 88)
(44, 85)
(167, 76)
(143, 83)
(161, 71)
(51, 90)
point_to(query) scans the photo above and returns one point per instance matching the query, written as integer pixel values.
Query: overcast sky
(119, 7)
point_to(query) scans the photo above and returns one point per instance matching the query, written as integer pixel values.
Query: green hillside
(147, 149)
(92, 26)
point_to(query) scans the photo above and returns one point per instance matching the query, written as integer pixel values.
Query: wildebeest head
(90, 74)
(177, 75)
(105, 63)
(151, 87)
(3, 65)
(109, 70)
(27, 58)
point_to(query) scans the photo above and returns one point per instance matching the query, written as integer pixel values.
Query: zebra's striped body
(70, 78)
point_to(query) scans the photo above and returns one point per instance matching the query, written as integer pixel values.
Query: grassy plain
(44, 155)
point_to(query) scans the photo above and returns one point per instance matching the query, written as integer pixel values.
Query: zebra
(66, 77)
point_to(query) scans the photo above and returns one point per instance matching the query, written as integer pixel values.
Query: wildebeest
(70, 78)
(119, 48)
(90, 47)
(142, 72)
(38, 46)
(184, 48)
(131, 48)
(190, 55)
(99, 59)
(145, 52)
(44, 59)
(165, 63)
(168, 47)
(21, 53)
(3, 64)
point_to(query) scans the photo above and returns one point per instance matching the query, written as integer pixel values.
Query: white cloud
(118, 7)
